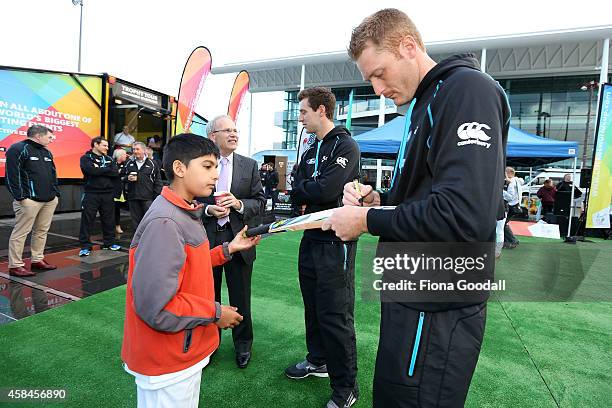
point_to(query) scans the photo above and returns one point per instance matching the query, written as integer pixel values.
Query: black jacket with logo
(30, 172)
(450, 187)
(148, 184)
(100, 172)
(338, 164)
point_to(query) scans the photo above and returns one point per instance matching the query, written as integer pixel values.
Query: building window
(553, 108)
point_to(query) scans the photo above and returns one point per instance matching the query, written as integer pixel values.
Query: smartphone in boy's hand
(230, 318)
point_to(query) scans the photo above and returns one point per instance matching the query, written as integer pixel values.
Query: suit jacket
(246, 186)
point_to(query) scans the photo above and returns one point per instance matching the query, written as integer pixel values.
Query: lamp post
(590, 86)
(545, 115)
(79, 3)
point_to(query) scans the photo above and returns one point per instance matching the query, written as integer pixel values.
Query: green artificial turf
(535, 354)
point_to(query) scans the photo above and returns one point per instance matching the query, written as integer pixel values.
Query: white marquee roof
(560, 52)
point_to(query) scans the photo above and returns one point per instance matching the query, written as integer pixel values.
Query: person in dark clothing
(101, 173)
(120, 157)
(31, 179)
(457, 120)
(150, 153)
(566, 186)
(272, 184)
(546, 193)
(326, 264)
(143, 181)
(263, 175)
(296, 210)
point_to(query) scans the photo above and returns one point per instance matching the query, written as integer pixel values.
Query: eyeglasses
(226, 130)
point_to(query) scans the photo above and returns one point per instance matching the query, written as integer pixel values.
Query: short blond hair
(385, 29)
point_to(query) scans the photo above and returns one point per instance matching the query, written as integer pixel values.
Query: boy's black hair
(186, 147)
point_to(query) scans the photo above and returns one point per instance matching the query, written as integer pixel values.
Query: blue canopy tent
(523, 149)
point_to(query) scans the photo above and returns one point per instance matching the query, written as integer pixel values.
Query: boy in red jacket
(172, 319)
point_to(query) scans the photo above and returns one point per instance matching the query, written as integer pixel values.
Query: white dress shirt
(230, 165)
(124, 139)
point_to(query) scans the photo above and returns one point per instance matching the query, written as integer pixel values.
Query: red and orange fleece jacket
(170, 302)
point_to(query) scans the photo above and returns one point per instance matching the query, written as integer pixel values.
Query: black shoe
(304, 369)
(242, 359)
(346, 403)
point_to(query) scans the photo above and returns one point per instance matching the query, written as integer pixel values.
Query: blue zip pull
(415, 347)
(316, 163)
(402, 150)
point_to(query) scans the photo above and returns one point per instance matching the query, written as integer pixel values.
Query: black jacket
(338, 164)
(450, 188)
(118, 182)
(246, 187)
(149, 183)
(263, 175)
(271, 180)
(565, 186)
(30, 172)
(101, 173)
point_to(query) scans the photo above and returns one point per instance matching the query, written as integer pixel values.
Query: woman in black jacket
(119, 156)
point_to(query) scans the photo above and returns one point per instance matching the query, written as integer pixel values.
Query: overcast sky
(147, 42)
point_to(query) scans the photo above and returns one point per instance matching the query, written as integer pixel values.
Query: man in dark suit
(238, 200)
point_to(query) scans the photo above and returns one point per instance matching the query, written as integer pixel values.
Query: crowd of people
(547, 194)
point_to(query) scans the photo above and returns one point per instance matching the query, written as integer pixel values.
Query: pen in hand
(358, 188)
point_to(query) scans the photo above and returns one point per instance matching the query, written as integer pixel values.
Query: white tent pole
(483, 60)
(250, 123)
(532, 183)
(571, 213)
(381, 111)
(603, 72)
(299, 125)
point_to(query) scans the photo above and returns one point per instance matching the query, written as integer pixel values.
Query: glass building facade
(555, 108)
(550, 107)
(290, 119)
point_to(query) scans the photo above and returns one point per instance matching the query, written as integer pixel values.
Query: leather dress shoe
(21, 272)
(242, 359)
(43, 266)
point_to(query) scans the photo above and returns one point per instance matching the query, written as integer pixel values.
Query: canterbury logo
(473, 133)
(342, 161)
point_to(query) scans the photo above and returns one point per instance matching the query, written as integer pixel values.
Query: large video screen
(68, 104)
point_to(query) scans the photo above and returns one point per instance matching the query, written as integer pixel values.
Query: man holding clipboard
(447, 190)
